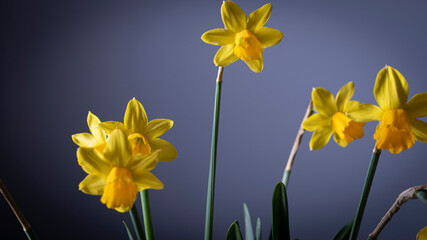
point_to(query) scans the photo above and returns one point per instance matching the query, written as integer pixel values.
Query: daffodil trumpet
(365, 193)
(295, 147)
(212, 162)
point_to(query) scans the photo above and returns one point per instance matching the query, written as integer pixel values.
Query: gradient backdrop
(64, 58)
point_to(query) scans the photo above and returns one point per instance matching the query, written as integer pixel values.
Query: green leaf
(128, 231)
(258, 229)
(344, 233)
(249, 232)
(234, 232)
(422, 195)
(280, 213)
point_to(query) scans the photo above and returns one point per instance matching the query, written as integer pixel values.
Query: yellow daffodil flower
(422, 234)
(96, 139)
(117, 174)
(243, 37)
(399, 127)
(143, 135)
(332, 118)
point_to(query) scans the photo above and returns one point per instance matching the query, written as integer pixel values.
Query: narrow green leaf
(258, 229)
(280, 213)
(249, 232)
(422, 195)
(344, 233)
(128, 231)
(234, 232)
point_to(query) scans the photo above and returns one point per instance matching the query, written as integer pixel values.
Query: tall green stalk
(146, 212)
(365, 193)
(212, 166)
(295, 147)
(136, 222)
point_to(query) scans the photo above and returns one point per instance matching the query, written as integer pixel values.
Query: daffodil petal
(419, 128)
(256, 65)
(351, 105)
(157, 127)
(320, 138)
(233, 16)
(135, 117)
(324, 101)
(110, 126)
(144, 163)
(391, 89)
(219, 36)
(168, 151)
(147, 180)
(417, 106)
(344, 95)
(316, 121)
(268, 36)
(339, 141)
(84, 140)
(365, 113)
(422, 234)
(118, 150)
(93, 162)
(93, 185)
(92, 122)
(225, 56)
(259, 17)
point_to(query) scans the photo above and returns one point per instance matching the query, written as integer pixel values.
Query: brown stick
(298, 139)
(405, 196)
(18, 213)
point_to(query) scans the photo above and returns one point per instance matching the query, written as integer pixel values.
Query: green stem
(212, 166)
(146, 212)
(365, 193)
(29, 232)
(295, 147)
(136, 223)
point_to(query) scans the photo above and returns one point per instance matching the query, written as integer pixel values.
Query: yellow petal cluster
(96, 139)
(332, 118)
(399, 127)
(116, 173)
(143, 135)
(244, 37)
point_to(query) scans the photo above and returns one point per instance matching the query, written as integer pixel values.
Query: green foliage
(234, 232)
(258, 229)
(128, 231)
(249, 232)
(422, 196)
(344, 233)
(280, 229)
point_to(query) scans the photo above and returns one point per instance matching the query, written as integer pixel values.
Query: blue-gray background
(64, 58)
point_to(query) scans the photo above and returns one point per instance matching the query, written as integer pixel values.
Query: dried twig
(405, 196)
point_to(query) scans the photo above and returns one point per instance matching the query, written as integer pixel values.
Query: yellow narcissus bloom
(96, 139)
(332, 118)
(116, 174)
(399, 127)
(143, 135)
(243, 37)
(422, 234)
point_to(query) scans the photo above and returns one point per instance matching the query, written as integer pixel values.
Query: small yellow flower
(332, 118)
(143, 135)
(422, 234)
(243, 37)
(399, 127)
(116, 174)
(96, 139)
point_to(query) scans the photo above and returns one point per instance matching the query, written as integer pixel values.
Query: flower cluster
(398, 126)
(118, 156)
